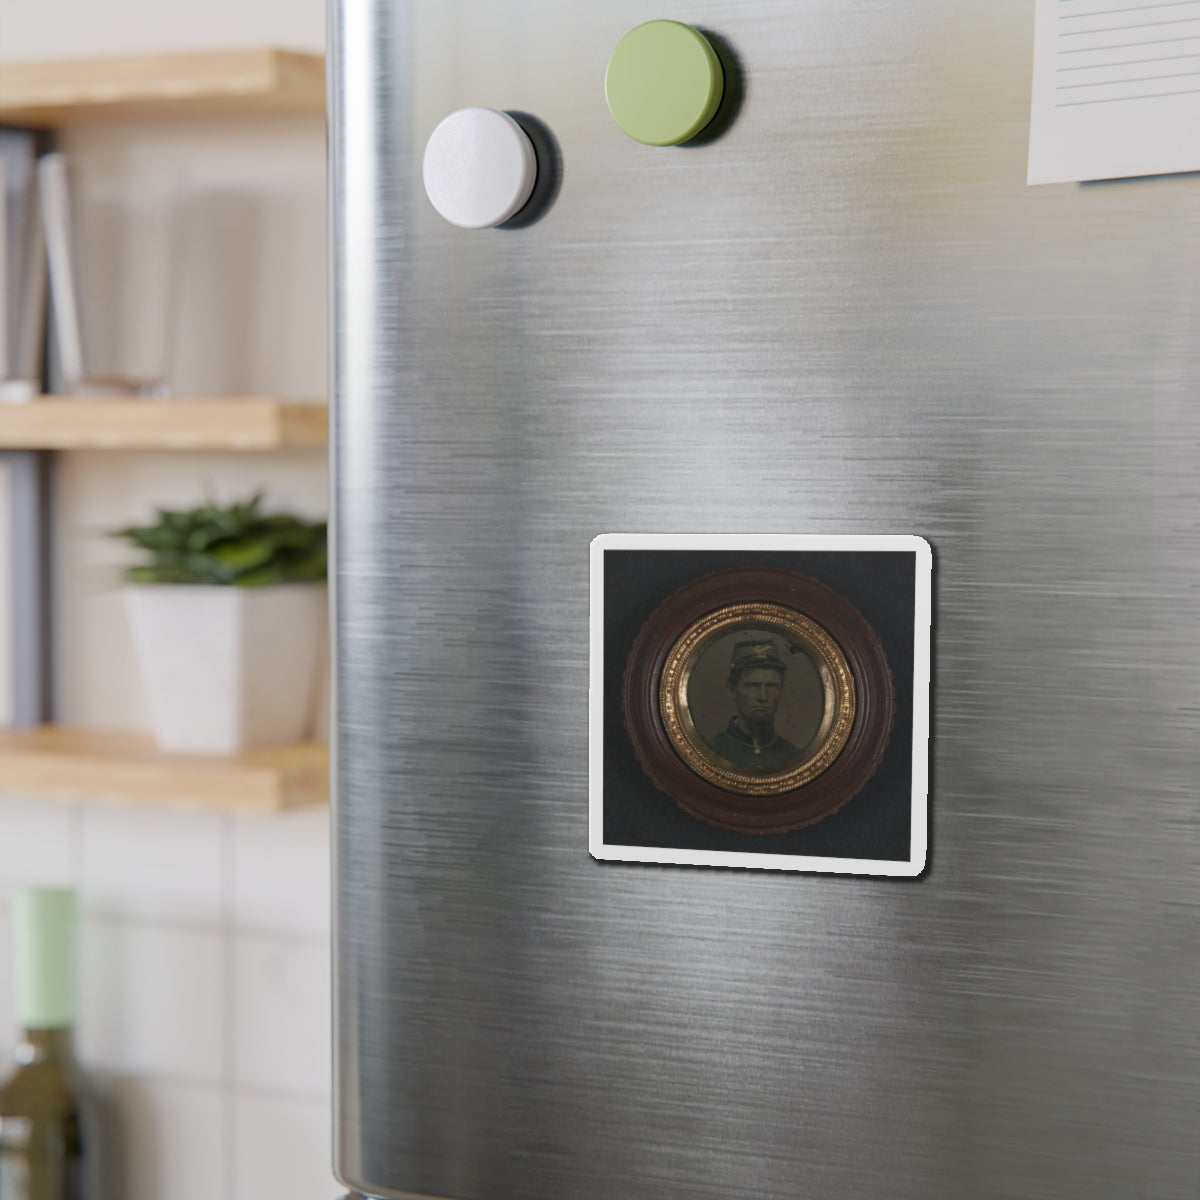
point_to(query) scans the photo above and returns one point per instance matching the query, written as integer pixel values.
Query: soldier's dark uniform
(732, 744)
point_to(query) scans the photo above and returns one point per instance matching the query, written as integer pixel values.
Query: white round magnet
(479, 168)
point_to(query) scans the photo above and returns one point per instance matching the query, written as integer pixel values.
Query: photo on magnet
(756, 700)
(761, 701)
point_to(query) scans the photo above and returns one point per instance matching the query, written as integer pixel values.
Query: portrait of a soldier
(757, 673)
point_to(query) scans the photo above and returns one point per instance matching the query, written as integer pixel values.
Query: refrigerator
(836, 312)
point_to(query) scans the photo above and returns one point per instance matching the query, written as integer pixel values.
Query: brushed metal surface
(846, 315)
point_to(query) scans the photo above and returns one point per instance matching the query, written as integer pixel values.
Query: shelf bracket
(29, 473)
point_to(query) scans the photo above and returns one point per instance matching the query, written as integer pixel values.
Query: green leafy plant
(238, 546)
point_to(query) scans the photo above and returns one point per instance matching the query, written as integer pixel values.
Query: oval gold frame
(837, 720)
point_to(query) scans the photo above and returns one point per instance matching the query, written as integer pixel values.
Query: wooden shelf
(79, 764)
(215, 83)
(228, 423)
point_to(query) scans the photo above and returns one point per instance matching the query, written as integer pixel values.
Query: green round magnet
(664, 83)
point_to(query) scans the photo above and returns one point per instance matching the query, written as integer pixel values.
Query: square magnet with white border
(761, 701)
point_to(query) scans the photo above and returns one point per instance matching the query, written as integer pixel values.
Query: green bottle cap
(664, 83)
(44, 923)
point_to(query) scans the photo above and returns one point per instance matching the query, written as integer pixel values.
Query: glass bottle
(42, 1138)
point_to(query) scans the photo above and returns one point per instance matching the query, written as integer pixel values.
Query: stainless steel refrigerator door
(850, 315)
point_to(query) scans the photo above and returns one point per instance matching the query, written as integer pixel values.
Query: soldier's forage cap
(758, 653)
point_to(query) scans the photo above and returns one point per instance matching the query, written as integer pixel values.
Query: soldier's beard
(760, 725)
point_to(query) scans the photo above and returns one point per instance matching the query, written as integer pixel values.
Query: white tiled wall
(205, 989)
(279, 1146)
(173, 1138)
(153, 864)
(64, 28)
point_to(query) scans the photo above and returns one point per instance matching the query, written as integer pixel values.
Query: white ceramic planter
(226, 668)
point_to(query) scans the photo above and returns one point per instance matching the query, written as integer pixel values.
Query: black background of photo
(873, 825)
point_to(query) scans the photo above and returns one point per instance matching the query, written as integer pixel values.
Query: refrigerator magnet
(761, 701)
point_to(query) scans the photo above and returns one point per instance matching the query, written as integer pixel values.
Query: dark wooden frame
(863, 751)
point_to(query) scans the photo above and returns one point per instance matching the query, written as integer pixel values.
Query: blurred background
(204, 953)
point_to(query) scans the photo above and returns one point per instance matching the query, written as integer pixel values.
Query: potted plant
(228, 622)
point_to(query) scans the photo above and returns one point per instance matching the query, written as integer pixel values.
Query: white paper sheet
(1116, 89)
